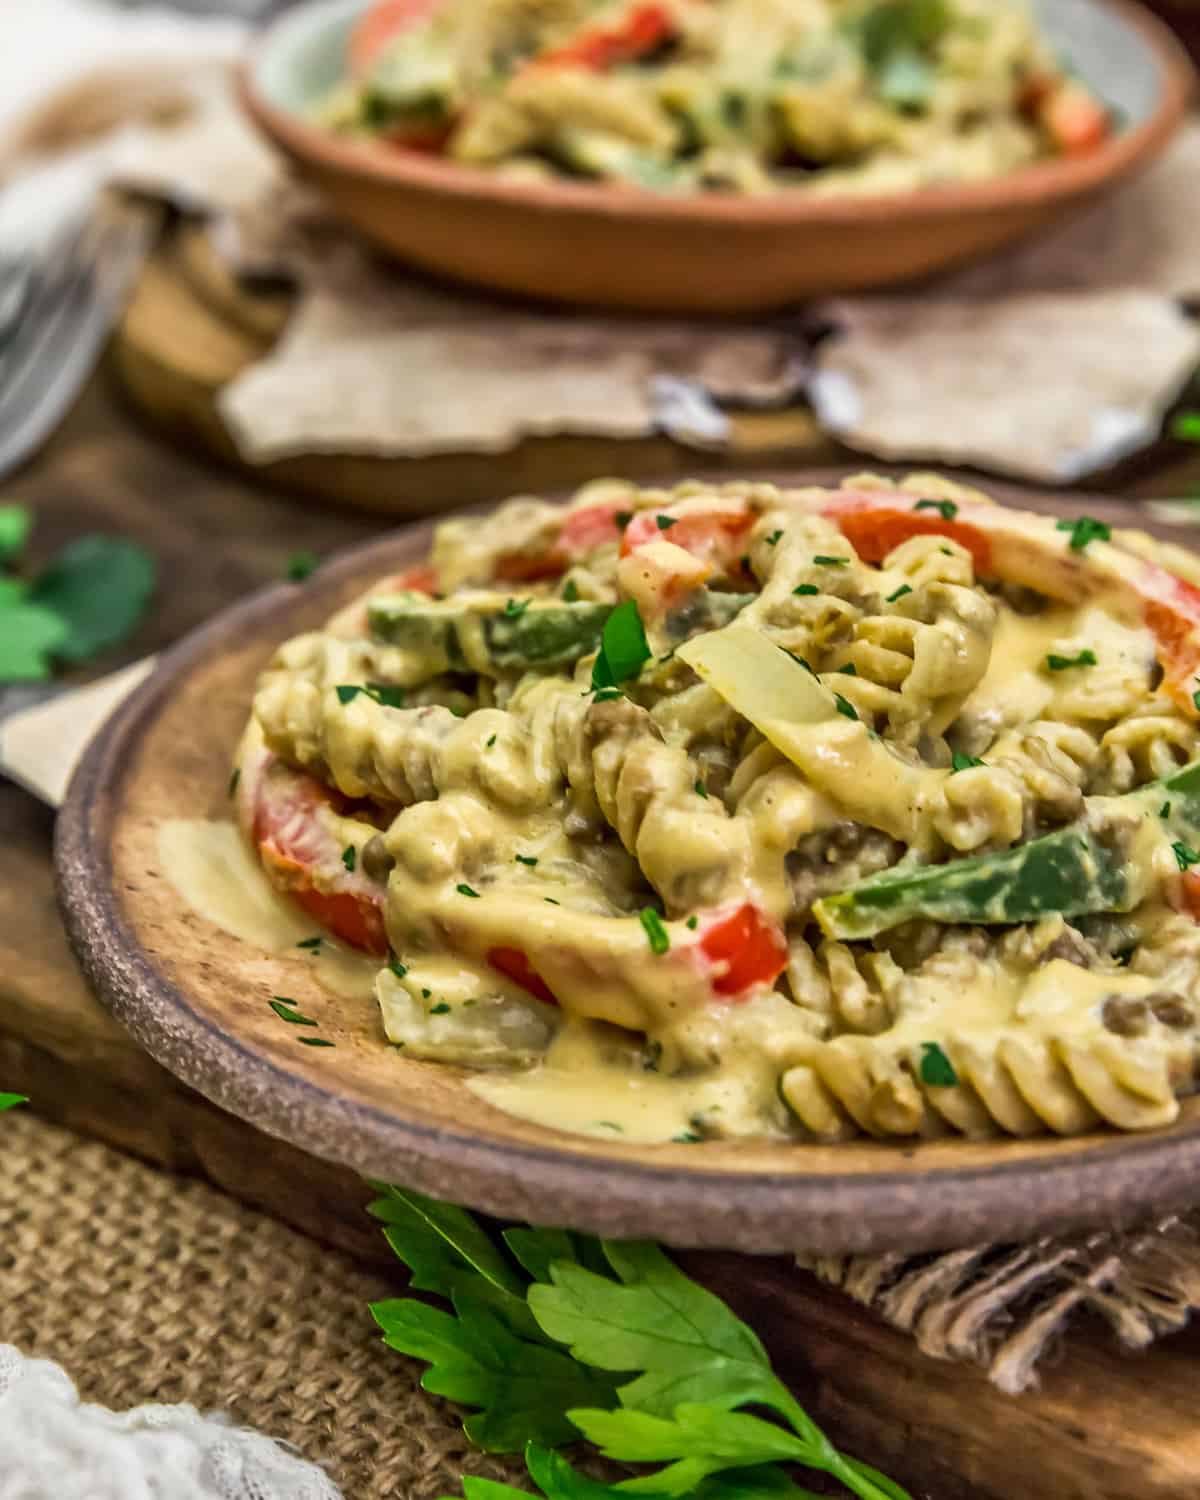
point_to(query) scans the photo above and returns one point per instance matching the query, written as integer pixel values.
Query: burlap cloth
(150, 1287)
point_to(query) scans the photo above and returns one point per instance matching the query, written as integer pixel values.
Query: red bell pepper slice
(745, 949)
(515, 965)
(599, 48)
(380, 26)
(304, 859)
(581, 532)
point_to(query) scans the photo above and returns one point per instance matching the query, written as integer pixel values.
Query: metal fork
(59, 314)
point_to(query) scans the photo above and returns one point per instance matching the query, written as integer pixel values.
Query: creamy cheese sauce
(211, 869)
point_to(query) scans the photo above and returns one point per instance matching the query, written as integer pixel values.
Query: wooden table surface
(216, 536)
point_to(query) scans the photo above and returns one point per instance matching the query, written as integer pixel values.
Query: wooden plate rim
(1111, 1181)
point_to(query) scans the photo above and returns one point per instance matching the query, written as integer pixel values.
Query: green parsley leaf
(692, 923)
(397, 968)
(570, 591)
(1185, 426)
(550, 901)
(1085, 658)
(515, 608)
(348, 691)
(849, 670)
(936, 1068)
(945, 508)
(282, 1007)
(465, 890)
(831, 562)
(29, 635)
(350, 857)
(235, 777)
(440, 1009)
(314, 1041)
(687, 1138)
(700, 789)
(491, 740)
(622, 519)
(899, 594)
(382, 693)
(657, 935)
(961, 762)
(301, 565)
(844, 707)
(525, 859)
(1165, 810)
(773, 538)
(664, 523)
(806, 590)
(489, 1353)
(1196, 701)
(1084, 530)
(15, 524)
(10, 1101)
(313, 942)
(1185, 857)
(99, 587)
(623, 648)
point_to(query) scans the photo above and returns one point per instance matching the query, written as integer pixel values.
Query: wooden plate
(608, 245)
(195, 998)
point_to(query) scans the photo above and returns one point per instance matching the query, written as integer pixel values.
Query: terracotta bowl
(627, 248)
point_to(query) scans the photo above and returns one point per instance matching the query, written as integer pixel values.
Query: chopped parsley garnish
(849, 670)
(491, 740)
(687, 1138)
(10, 1101)
(550, 901)
(1085, 529)
(610, 1125)
(283, 1008)
(656, 934)
(692, 923)
(806, 590)
(936, 1068)
(773, 539)
(426, 994)
(570, 591)
(350, 857)
(313, 942)
(664, 523)
(700, 789)
(465, 890)
(314, 1041)
(899, 594)
(945, 508)
(622, 519)
(440, 1009)
(397, 968)
(515, 608)
(1196, 701)
(301, 565)
(1065, 663)
(961, 762)
(844, 707)
(1165, 810)
(525, 859)
(382, 693)
(234, 778)
(623, 648)
(830, 562)
(1185, 857)
(1186, 426)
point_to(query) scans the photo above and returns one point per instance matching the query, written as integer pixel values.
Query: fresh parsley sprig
(10, 1101)
(553, 1335)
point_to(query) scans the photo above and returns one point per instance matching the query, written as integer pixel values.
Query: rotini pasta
(812, 813)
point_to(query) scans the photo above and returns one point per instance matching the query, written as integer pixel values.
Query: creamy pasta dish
(832, 96)
(779, 813)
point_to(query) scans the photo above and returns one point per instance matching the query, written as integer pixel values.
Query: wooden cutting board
(191, 327)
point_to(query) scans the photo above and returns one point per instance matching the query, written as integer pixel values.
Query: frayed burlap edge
(1003, 1307)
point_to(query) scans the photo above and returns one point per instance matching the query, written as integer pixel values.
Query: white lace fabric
(55, 1447)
